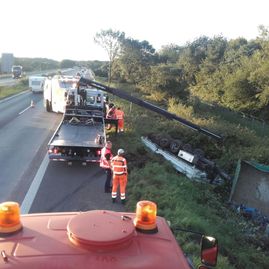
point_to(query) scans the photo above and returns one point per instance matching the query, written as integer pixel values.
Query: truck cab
(87, 97)
(16, 71)
(55, 92)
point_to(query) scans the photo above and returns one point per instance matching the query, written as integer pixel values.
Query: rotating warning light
(146, 214)
(9, 217)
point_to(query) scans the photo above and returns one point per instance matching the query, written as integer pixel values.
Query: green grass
(6, 91)
(258, 126)
(187, 204)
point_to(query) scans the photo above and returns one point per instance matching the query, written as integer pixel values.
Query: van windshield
(16, 68)
(36, 83)
(67, 84)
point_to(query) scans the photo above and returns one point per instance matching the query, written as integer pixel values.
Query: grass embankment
(191, 205)
(6, 91)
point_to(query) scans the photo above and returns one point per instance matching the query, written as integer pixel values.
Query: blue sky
(59, 29)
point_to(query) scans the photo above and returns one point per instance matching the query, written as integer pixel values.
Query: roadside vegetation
(6, 91)
(187, 204)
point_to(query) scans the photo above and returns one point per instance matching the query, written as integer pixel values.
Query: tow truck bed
(78, 135)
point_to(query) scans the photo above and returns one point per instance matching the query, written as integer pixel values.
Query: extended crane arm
(145, 104)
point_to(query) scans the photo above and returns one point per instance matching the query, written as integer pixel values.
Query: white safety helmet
(120, 152)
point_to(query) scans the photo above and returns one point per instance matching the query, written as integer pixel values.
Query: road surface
(8, 81)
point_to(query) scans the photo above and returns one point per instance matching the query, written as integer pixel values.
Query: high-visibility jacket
(104, 163)
(119, 165)
(119, 114)
(120, 117)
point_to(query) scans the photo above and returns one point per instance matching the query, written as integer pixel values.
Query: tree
(110, 40)
(167, 78)
(135, 60)
(34, 64)
(67, 63)
(191, 57)
(239, 92)
(169, 53)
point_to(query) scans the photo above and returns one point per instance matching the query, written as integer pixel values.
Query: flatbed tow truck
(94, 239)
(81, 134)
(79, 137)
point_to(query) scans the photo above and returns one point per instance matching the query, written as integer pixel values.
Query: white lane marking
(25, 109)
(31, 194)
(13, 96)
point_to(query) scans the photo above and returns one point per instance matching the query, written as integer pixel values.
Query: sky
(65, 29)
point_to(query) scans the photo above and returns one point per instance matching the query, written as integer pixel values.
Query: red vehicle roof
(95, 239)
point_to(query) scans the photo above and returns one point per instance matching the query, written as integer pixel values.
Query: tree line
(45, 64)
(231, 73)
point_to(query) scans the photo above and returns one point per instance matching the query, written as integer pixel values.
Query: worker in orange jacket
(120, 117)
(119, 168)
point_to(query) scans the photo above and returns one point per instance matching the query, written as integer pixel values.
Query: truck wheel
(175, 146)
(48, 106)
(152, 137)
(187, 147)
(164, 142)
(155, 138)
(199, 153)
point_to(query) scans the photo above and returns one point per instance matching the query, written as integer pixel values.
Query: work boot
(113, 200)
(123, 201)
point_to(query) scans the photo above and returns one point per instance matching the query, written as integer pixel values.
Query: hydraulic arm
(145, 104)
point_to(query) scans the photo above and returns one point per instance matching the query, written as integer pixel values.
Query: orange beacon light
(9, 217)
(146, 214)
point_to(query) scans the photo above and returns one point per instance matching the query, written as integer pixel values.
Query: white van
(36, 83)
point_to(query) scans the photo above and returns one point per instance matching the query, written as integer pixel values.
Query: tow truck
(94, 239)
(81, 134)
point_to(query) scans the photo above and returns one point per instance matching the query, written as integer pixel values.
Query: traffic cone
(32, 103)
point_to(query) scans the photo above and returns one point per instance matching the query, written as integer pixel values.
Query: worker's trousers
(108, 179)
(122, 181)
(120, 125)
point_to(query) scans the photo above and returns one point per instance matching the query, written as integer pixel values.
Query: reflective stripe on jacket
(104, 163)
(119, 165)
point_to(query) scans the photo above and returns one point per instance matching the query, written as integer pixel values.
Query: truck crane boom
(120, 93)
